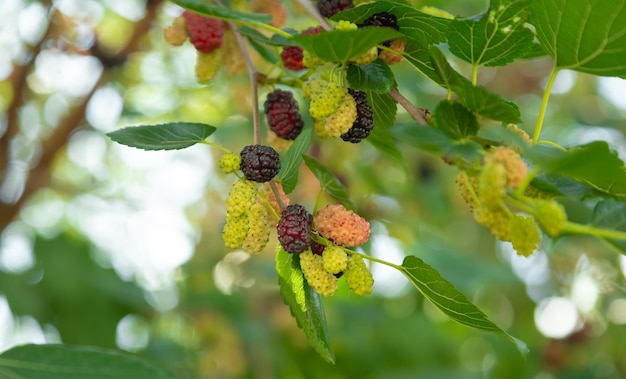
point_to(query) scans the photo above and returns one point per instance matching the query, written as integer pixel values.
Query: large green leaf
(455, 120)
(217, 11)
(304, 303)
(593, 164)
(383, 141)
(329, 182)
(611, 214)
(172, 136)
(341, 46)
(64, 362)
(414, 24)
(494, 38)
(290, 161)
(449, 300)
(583, 35)
(376, 76)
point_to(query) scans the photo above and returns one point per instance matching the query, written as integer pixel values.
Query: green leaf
(341, 46)
(304, 303)
(611, 214)
(449, 300)
(419, 57)
(376, 76)
(64, 362)
(290, 161)
(217, 11)
(593, 164)
(455, 120)
(253, 34)
(384, 108)
(264, 51)
(478, 99)
(417, 25)
(494, 38)
(423, 138)
(329, 182)
(172, 136)
(583, 35)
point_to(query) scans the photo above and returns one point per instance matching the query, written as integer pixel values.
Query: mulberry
(274, 8)
(335, 259)
(294, 228)
(341, 226)
(550, 215)
(282, 113)
(259, 163)
(258, 230)
(516, 169)
(468, 188)
(292, 58)
(176, 33)
(496, 220)
(359, 278)
(382, 19)
(398, 45)
(328, 8)
(205, 33)
(364, 123)
(241, 197)
(230, 162)
(492, 184)
(207, 65)
(343, 118)
(322, 281)
(524, 235)
(328, 101)
(235, 231)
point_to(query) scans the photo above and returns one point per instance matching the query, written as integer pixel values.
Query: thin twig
(417, 114)
(308, 6)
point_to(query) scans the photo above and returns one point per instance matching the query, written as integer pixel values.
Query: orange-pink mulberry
(341, 226)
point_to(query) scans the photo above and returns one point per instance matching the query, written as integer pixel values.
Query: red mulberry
(283, 118)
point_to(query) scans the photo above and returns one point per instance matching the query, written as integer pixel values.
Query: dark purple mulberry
(328, 8)
(294, 229)
(281, 110)
(364, 123)
(259, 163)
(384, 19)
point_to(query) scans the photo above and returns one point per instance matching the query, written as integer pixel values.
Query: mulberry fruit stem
(213, 144)
(279, 199)
(519, 192)
(544, 104)
(267, 204)
(572, 227)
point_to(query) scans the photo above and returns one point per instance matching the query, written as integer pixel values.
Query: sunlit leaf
(449, 300)
(290, 161)
(172, 136)
(65, 362)
(341, 46)
(217, 11)
(583, 35)
(304, 303)
(376, 76)
(329, 182)
(494, 38)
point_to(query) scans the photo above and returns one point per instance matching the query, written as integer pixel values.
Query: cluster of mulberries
(215, 44)
(337, 111)
(322, 269)
(341, 226)
(247, 223)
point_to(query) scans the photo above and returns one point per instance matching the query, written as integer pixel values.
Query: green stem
(317, 200)
(213, 144)
(269, 207)
(553, 144)
(374, 259)
(526, 182)
(474, 74)
(571, 227)
(544, 104)
(266, 27)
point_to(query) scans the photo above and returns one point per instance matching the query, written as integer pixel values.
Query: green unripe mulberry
(321, 280)
(230, 162)
(335, 259)
(496, 220)
(340, 121)
(258, 230)
(235, 231)
(550, 215)
(492, 184)
(357, 275)
(241, 198)
(524, 235)
(327, 102)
